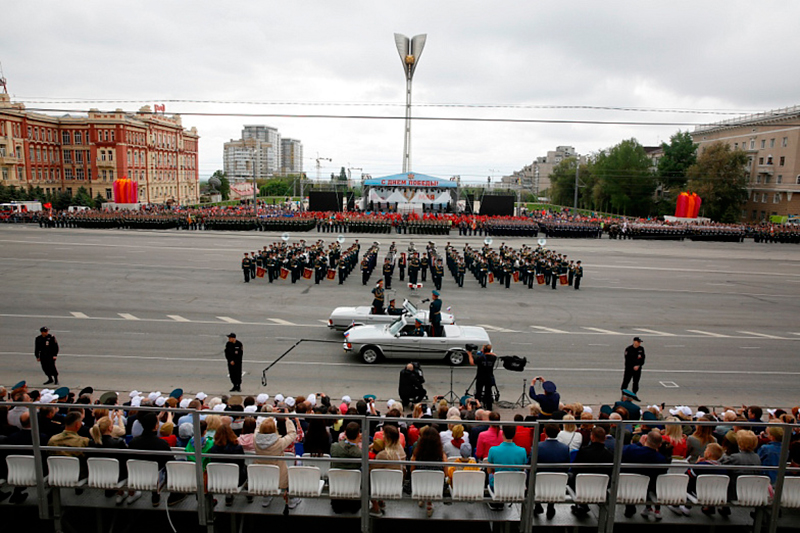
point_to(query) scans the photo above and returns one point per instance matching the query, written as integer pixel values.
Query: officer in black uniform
(401, 264)
(578, 275)
(234, 351)
(46, 351)
(378, 298)
(634, 361)
(388, 268)
(246, 267)
(484, 379)
(435, 315)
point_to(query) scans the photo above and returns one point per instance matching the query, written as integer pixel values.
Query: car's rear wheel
(370, 354)
(455, 357)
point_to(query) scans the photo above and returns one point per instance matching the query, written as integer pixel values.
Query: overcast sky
(339, 58)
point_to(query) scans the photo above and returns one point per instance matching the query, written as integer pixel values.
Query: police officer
(234, 351)
(484, 379)
(634, 361)
(246, 267)
(435, 315)
(46, 351)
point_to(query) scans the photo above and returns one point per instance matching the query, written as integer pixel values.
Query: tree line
(624, 180)
(58, 199)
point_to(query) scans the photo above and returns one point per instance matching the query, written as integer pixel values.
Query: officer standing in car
(435, 315)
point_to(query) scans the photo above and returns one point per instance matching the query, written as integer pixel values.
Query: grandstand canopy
(410, 179)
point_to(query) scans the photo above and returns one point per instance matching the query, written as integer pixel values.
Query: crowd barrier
(517, 491)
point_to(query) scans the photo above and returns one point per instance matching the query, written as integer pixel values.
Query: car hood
(359, 333)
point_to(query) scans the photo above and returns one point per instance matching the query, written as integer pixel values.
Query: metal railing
(204, 505)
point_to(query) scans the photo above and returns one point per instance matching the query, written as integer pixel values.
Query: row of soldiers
(566, 229)
(512, 228)
(281, 260)
(383, 225)
(787, 233)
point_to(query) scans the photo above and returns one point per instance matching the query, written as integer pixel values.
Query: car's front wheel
(455, 357)
(370, 354)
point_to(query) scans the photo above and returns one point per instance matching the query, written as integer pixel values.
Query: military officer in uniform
(413, 269)
(393, 310)
(401, 264)
(634, 361)
(46, 351)
(578, 275)
(246, 267)
(435, 315)
(418, 330)
(234, 351)
(378, 298)
(424, 267)
(388, 268)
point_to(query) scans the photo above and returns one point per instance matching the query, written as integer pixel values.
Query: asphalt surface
(150, 310)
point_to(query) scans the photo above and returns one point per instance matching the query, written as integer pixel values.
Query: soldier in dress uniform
(246, 267)
(234, 351)
(253, 264)
(435, 314)
(388, 268)
(378, 298)
(571, 271)
(578, 275)
(413, 269)
(438, 274)
(394, 310)
(424, 265)
(401, 264)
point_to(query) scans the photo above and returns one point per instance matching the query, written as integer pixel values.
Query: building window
(779, 179)
(78, 137)
(752, 144)
(772, 143)
(65, 137)
(67, 173)
(38, 154)
(89, 174)
(760, 160)
(763, 197)
(763, 143)
(79, 156)
(79, 174)
(111, 155)
(798, 180)
(755, 196)
(108, 194)
(766, 178)
(782, 161)
(777, 198)
(69, 191)
(68, 156)
(785, 142)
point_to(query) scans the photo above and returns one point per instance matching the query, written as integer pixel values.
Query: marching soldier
(253, 263)
(388, 268)
(578, 275)
(246, 267)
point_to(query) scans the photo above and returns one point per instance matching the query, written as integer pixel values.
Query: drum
(491, 277)
(331, 273)
(260, 272)
(540, 279)
(516, 277)
(563, 279)
(307, 273)
(284, 273)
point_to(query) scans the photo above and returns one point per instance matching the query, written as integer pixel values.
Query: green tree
(624, 175)
(225, 184)
(99, 200)
(719, 177)
(679, 155)
(562, 182)
(82, 198)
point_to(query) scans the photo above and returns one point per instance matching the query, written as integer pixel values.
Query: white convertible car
(391, 341)
(344, 318)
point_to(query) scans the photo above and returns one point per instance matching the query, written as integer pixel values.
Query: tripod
(523, 399)
(451, 396)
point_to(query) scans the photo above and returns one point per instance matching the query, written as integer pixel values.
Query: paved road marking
(764, 335)
(708, 333)
(598, 345)
(323, 321)
(669, 384)
(654, 332)
(171, 320)
(674, 346)
(604, 331)
(229, 320)
(178, 318)
(550, 330)
(78, 315)
(750, 347)
(128, 316)
(495, 328)
(282, 322)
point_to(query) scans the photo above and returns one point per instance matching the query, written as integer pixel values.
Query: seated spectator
(594, 452)
(475, 430)
(69, 438)
(586, 427)
(506, 453)
(673, 435)
(570, 434)
(770, 453)
(49, 421)
(428, 449)
(349, 448)
(225, 442)
(754, 414)
(696, 442)
(268, 443)
(392, 451)
(102, 438)
(551, 451)
(148, 440)
(645, 454)
(491, 437)
(747, 441)
(185, 433)
(465, 457)
(523, 437)
(711, 456)
(247, 436)
(166, 432)
(452, 448)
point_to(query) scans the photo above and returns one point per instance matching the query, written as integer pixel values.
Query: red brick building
(68, 152)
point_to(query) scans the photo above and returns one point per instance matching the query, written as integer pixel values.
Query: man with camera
(410, 388)
(484, 379)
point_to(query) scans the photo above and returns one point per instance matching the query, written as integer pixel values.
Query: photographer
(410, 388)
(484, 380)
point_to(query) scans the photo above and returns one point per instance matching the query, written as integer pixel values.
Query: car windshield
(411, 308)
(396, 326)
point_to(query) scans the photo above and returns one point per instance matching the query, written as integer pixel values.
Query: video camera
(471, 347)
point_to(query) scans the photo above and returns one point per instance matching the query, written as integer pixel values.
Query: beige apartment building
(64, 153)
(772, 143)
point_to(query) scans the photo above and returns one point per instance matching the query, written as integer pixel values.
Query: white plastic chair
(386, 484)
(551, 487)
(790, 497)
(671, 489)
(632, 489)
(181, 476)
(305, 481)
(323, 466)
(21, 471)
(752, 491)
(427, 485)
(104, 473)
(142, 475)
(712, 489)
(179, 457)
(344, 483)
(509, 487)
(263, 480)
(591, 488)
(64, 471)
(468, 485)
(223, 478)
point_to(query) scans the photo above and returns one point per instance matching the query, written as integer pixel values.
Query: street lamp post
(410, 50)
